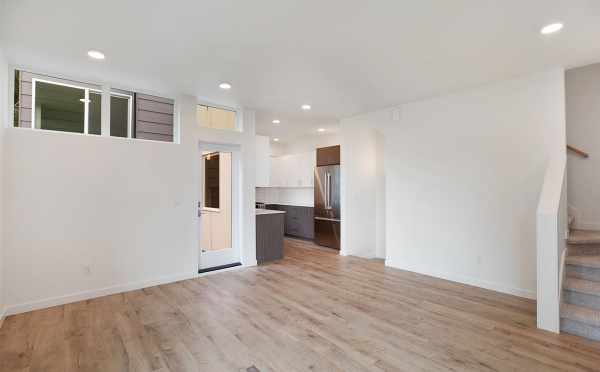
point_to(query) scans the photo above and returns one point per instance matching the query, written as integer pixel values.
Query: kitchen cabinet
(328, 156)
(293, 170)
(299, 221)
(263, 161)
(269, 236)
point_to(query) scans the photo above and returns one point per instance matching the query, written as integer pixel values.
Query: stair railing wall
(551, 230)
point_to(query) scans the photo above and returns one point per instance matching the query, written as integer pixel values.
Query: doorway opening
(218, 240)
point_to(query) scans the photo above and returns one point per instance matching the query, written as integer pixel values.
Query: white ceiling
(341, 56)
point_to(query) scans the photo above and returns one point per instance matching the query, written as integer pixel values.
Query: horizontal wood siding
(154, 136)
(154, 118)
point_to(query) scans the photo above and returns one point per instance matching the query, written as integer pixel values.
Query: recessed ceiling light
(276, 121)
(306, 107)
(321, 130)
(276, 139)
(552, 28)
(225, 86)
(95, 54)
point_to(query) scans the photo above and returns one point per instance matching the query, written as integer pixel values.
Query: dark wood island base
(269, 235)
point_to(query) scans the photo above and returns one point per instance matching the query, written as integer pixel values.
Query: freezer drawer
(327, 233)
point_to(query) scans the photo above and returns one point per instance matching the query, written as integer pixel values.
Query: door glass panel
(216, 217)
(211, 180)
(59, 107)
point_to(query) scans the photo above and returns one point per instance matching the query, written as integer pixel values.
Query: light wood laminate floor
(312, 311)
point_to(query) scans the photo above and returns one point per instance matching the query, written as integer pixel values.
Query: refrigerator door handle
(328, 191)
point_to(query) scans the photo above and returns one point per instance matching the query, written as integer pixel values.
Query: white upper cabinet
(263, 161)
(293, 170)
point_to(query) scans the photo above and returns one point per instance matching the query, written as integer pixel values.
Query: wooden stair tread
(580, 314)
(586, 261)
(584, 237)
(582, 286)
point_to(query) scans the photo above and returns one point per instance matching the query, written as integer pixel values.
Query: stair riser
(580, 329)
(584, 249)
(582, 272)
(581, 299)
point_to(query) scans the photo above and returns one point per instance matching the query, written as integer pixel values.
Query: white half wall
(583, 131)
(551, 229)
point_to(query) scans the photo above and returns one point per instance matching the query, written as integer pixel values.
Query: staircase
(580, 308)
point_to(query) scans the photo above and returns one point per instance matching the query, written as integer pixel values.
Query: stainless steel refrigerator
(327, 206)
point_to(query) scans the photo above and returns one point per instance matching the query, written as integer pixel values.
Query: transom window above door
(216, 118)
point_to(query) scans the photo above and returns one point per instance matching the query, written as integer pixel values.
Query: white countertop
(290, 204)
(267, 211)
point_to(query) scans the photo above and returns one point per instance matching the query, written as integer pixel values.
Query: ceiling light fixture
(95, 54)
(225, 86)
(306, 107)
(276, 139)
(321, 130)
(552, 28)
(276, 121)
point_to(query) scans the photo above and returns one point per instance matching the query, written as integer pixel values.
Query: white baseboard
(454, 277)
(95, 293)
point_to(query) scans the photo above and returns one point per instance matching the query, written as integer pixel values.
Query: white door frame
(233, 255)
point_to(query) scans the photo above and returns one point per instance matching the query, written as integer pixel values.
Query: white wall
(307, 143)
(298, 196)
(3, 118)
(463, 175)
(380, 201)
(90, 215)
(583, 131)
(125, 210)
(359, 177)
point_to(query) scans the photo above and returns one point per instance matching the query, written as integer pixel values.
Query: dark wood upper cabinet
(328, 156)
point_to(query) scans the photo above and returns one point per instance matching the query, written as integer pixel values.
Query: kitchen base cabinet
(299, 221)
(269, 237)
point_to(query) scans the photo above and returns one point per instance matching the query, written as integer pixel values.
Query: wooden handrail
(578, 151)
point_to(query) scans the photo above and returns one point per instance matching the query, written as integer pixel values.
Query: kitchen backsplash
(288, 195)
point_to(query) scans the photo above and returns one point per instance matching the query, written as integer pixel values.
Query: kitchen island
(269, 235)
